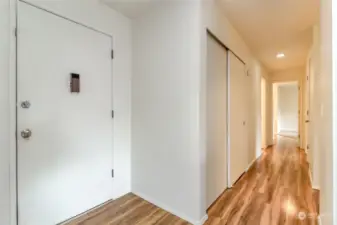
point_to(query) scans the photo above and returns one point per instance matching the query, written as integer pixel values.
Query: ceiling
(129, 8)
(267, 26)
(272, 26)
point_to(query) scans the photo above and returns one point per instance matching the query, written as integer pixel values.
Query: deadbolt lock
(25, 104)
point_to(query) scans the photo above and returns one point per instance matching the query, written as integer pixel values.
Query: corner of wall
(169, 209)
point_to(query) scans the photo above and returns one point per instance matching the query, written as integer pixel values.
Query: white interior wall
(325, 88)
(93, 14)
(323, 116)
(288, 108)
(256, 136)
(332, 5)
(323, 103)
(4, 113)
(268, 105)
(165, 146)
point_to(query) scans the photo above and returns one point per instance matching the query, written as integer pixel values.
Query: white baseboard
(250, 164)
(202, 221)
(313, 186)
(245, 171)
(170, 210)
(84, 213)
(288, 130)
(319, 220)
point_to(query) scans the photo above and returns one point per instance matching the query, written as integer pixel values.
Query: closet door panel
(216, 174)
(238, 120)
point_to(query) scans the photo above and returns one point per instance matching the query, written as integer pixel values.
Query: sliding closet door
(216, 160)
(238, 120)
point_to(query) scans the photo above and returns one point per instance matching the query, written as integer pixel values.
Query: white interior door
(64, 167)
(216, 164)
(263, 113)
(238, 119)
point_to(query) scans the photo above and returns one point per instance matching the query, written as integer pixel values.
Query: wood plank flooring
(272, 192)
(128, 210)
(276, 190)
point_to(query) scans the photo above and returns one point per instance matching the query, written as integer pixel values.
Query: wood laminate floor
(276, 190)
(128, 210)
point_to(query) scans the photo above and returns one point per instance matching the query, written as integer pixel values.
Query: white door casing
(64, 168)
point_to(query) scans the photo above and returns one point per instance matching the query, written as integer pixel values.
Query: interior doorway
(286, 111)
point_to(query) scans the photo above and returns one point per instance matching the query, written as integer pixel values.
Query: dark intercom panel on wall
(74, 83)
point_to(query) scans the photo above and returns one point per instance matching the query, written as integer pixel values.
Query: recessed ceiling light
(280, 55)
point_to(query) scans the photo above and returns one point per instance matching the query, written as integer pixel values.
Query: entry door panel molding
(64, 167)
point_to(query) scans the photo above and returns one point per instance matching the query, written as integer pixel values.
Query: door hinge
(308, 147)
(307, 77)
(112, 114)
(112, 173)
(307, 112)
(15, 32)
(112, 54)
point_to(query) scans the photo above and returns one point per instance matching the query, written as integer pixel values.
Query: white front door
(64, 167)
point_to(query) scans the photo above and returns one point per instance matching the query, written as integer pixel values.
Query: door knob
(307, 121)
(26, 134)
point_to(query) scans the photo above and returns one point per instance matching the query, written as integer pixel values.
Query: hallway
(273, 192)
(276, 190)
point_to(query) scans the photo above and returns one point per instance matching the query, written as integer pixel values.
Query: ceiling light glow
(280, 55)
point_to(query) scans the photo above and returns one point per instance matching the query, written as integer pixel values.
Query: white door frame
(13, 12)
(300, 105)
